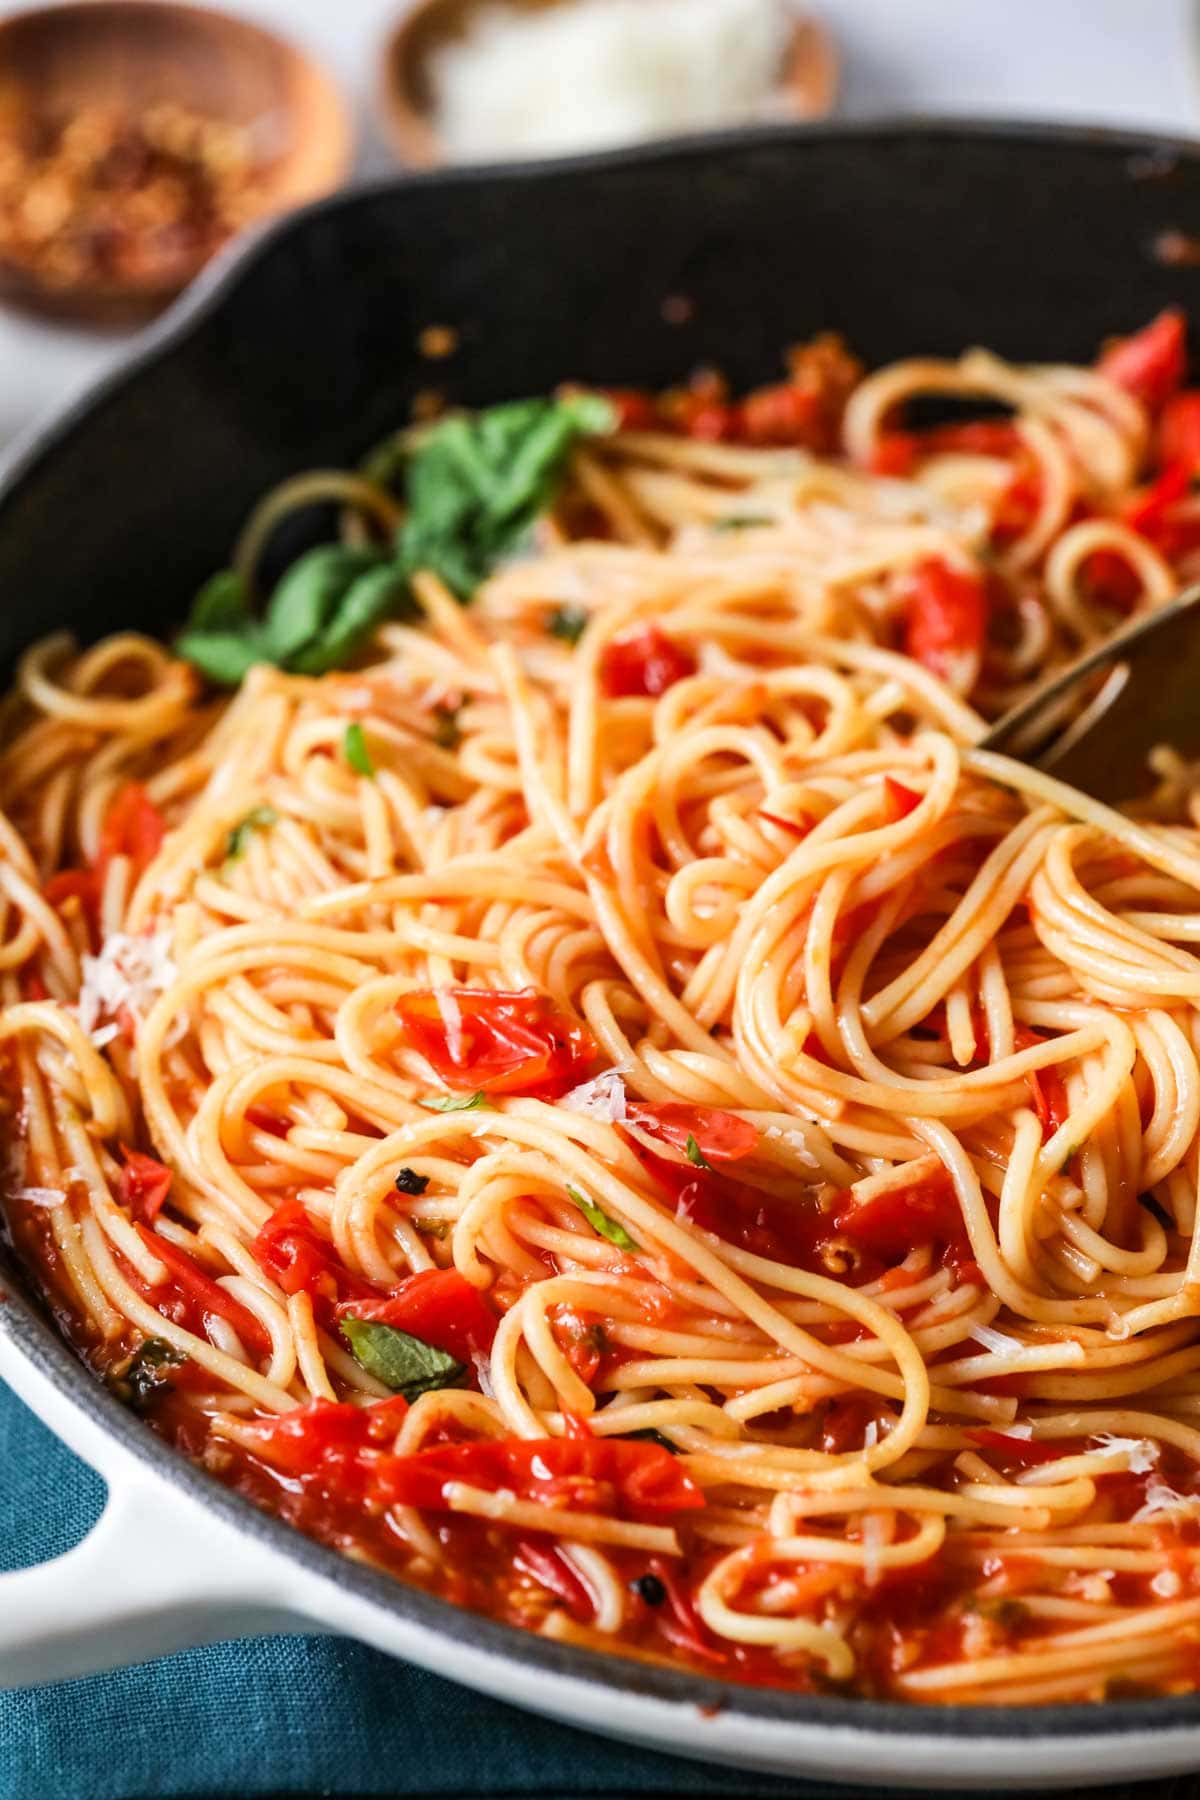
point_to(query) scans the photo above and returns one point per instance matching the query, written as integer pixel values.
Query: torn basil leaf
(354, 748)
(477, 1102)
(473, 487)
(695, 1155)
(259, 818)
(405, 1364)
(599, 1221)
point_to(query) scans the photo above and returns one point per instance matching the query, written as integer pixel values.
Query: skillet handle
(156, 1574)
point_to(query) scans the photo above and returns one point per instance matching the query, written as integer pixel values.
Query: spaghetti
(610, 1107)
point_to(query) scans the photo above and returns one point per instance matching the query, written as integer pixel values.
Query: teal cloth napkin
(295, 1716)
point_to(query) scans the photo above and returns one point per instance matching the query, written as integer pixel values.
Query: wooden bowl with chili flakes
(137, 137)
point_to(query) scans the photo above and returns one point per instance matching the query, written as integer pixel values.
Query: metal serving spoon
(1150, 696)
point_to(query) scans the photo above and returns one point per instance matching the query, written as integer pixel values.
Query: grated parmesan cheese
(1142, 1452)
(997, 1341)
(130, 972)
(1163, 1501)
(40, 1196)
(602, 1098)
(599, 72)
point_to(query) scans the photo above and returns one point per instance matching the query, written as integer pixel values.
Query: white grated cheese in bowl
(129, 972)
(596, 72)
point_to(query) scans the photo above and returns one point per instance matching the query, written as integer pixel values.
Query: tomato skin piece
(202, 1292)
(945, 616)
(641, 1479)
(782, 414)
(643, 664)
(133, 827)
(494, 1042)
(1047, 1089)
(143, 1185)
(899, 800)
(889, 1225)
(895, 453)
(1017, 1449)
(1144, 513)
(682, 1625)
(719, 1136)
(1150, 364)
(322, 1443)
(542, 1558)
(291, 1251)
(635, 410)
(439, 1306)
(1179, 431)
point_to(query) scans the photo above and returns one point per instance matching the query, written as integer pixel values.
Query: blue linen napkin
(295, 1716)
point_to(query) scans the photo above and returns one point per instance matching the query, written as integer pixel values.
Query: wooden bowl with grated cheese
(491, 80)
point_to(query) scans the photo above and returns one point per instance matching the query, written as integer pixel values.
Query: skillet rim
(22, 1317)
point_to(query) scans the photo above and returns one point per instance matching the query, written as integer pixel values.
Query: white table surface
(1129, 62)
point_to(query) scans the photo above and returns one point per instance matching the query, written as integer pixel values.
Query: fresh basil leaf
(258, 819)
(695, 1154)
(599, 1221)
(649, 1436)
(568, 623)
(476, 485)
(409, 1182)
(222, 603)
(308, 595)
(404, 1363)
(477, 1102)
(354, 748)
(375, 595)
(225, 657)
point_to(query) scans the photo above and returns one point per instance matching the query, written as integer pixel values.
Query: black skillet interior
(1037, 243)
(1033, 241)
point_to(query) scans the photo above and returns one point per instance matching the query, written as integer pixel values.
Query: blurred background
(136, 139)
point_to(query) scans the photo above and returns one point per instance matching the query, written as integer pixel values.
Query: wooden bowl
(808, 79)
(123, 57)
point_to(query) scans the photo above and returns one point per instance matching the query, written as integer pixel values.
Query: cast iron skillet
(909, 238)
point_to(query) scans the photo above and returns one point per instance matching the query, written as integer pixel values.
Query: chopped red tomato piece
(1017, 1449)
(1144, 512)
(1047, 1090)
(292, 1252)
(899, 800)
(783, 414)
(439, 1306)
(1179, 431)
(635, 410)
(899, 452)
(323, 1443)
(799, 826)
(680, 1623)
(1018, 505)
(889, 1225)
(1152, 363)
(718, 1136)
(72, 884)
(635, 1478)
(482, 1039)
(895, 453)
(133, 827)
(200, 1293)
(643, 662)
(945, 618)
(542, 1558)
(143, 1185)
